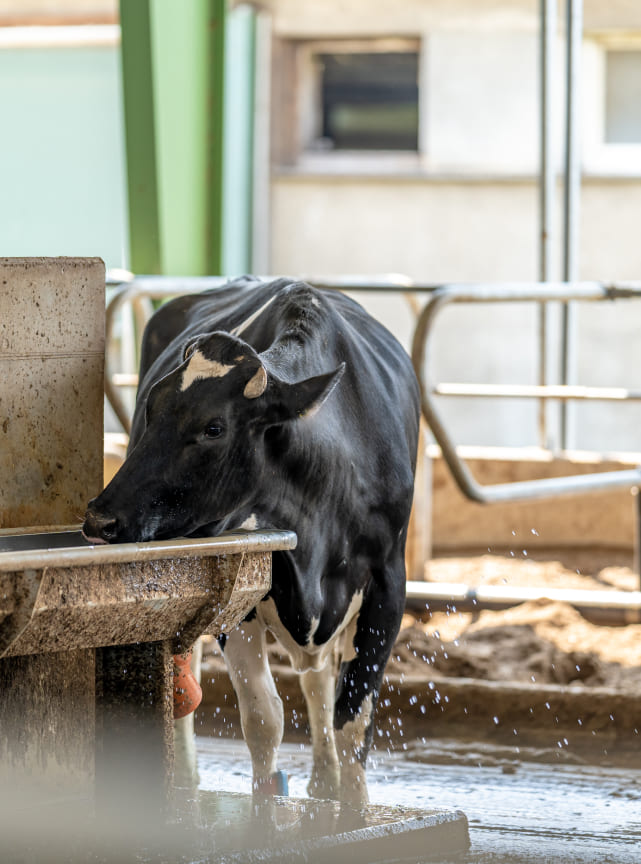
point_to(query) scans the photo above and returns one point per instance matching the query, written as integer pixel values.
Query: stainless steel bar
(536, 391)
(572, 193)
(524, 491)
(548, 15)
(604, 607)
(78, 553)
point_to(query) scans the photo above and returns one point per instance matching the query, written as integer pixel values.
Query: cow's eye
(213, 430)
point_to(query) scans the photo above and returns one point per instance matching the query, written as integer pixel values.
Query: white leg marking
(200, 367)
(349, 742)
(185, 757)
(318, 687)
(261, 709)
(251, 523)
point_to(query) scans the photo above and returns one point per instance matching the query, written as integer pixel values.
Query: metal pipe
(548, 11)
(571, 197)
(527, 490)
(534, 391)
(613, 607)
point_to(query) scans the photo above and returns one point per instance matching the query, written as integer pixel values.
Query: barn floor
(524, 719)
(518, 813)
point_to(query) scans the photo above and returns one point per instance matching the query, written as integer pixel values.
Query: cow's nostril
(99, 528)
(108, 530)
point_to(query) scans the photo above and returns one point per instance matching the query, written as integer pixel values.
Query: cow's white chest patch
(251, 523)
(199, 367)
(311, 656)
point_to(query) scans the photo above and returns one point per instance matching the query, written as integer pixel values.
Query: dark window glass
(370, 101)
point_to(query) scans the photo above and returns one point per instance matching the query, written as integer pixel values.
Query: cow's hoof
(326, 788)
(187, 691)
(275, 784)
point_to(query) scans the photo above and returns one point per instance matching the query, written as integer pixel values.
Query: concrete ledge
(594, 724)
(605, 519)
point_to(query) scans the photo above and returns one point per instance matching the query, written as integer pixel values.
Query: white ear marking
(200, 367)
(256, 385)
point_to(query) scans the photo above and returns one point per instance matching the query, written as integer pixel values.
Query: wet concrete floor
(518, 812)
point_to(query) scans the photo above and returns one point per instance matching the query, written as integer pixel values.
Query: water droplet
(496, 719)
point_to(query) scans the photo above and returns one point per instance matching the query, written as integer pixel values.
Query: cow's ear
(191, 346)
(294, 401)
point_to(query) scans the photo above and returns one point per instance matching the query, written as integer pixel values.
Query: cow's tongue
(95, 541)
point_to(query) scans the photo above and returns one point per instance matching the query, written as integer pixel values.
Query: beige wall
(466, 208)
(27, 12)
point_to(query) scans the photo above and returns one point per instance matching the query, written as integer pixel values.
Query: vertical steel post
(140, 136)
(548, 15)
(215, 102)
(572, 191)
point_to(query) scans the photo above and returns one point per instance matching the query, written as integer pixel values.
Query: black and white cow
(273, 404)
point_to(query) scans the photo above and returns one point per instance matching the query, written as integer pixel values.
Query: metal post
(215, 101)
(546, 191)
(574, 32)
(140, 136)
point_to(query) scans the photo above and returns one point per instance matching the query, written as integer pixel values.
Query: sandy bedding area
(542, 642)
(539, 642)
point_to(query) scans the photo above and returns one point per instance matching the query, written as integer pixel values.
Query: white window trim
(60, 36)
(599, 156)
(309, 111)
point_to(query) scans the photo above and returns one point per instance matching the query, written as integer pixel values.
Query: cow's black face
(201, 456)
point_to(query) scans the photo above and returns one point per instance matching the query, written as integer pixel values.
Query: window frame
(299, 111)
(599, 155)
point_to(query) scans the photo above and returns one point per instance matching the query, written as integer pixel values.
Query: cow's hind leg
(318, 686)
(360, 677)
(260, 706)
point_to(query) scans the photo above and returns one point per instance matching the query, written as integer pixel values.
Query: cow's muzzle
(99, 527)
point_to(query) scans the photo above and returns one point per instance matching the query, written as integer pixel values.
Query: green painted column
(140, 137)
(177, 67)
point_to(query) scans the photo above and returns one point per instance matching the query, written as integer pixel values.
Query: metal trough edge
(234, 542)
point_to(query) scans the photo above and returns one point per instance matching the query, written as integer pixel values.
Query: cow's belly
(310, 655)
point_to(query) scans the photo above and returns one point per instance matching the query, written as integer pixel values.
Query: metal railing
(517, 293)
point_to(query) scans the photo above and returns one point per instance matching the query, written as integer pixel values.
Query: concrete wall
(603, 520)
(51, 373)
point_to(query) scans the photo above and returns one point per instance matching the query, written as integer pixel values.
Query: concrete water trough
(87, 637)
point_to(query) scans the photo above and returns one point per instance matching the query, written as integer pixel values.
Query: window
(347, 105)
(623, 97)
(369, 101)
(612, 104)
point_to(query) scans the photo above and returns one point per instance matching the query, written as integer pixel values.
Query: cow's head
(201, 455)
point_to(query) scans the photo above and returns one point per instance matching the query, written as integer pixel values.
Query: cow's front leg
(260, 706)
(185, 756)
(360, 677)
(318, 686)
